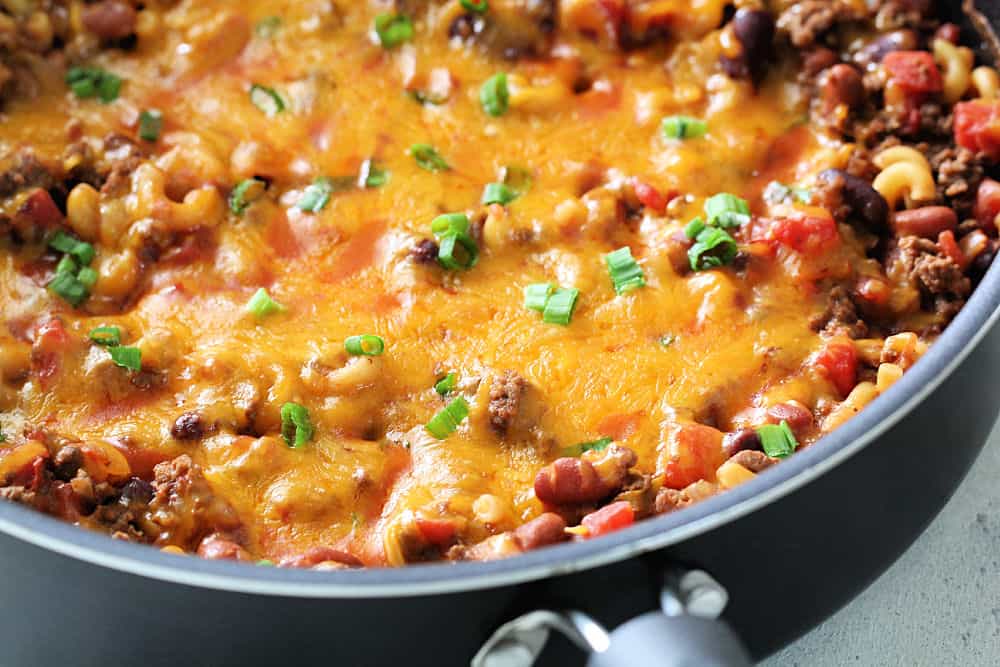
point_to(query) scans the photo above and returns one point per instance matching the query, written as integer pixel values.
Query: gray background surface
(939, 605)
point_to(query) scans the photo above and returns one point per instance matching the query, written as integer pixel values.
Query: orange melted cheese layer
(733, 343)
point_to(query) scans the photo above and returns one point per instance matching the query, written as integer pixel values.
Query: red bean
(317, 555)
(217, 547)
(926, 222)
(797, 416)
(988, 203)
(110, 19)
(742, 440)
(547, 529)
(949, 32)
(569, 481)
(842, 84)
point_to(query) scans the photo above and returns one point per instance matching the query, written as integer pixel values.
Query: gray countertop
(938, 605)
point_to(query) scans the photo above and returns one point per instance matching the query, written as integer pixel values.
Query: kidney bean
(755, 31)
(549, 528)
(874, 52)
(110, 19)
(217, 547)
(569, 481)
(743, 440)
(988, 203)
(818, 60)
(797, 416)
(926, 222)
(949, 32)
(859, 195)
(842, 84)
(612, 465)
(316, 555)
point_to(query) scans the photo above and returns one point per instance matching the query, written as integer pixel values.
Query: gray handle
(688, 632)
(658, 640)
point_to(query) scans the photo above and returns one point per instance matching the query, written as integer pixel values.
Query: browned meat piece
(593, 477)
(110, 19)
(806, 23)
(67, 462)
(511, 28)
(668, 500)
(425, 251)
(123, 157)
(902, 13)
(24, 170)
(841, 315)
(753, 461)
(189, 426)
(637, 491)
(959, 173)
(549, 528)
(935, 273)
(184, 509)
(506, 393)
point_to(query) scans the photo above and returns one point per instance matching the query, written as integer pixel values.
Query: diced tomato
(977, 127)
(875, 291)
(51, 336)
(40, 209)
(988, 203)
(693, 452)
(649, 196)
(949, 246)
(609, 519)
(839, 360)
(915, 72)
(436, 531)
(809, 235)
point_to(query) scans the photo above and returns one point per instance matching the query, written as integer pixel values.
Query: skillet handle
(687, 632)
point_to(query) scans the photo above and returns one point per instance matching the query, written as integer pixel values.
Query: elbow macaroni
(956, 68)
(905, 174)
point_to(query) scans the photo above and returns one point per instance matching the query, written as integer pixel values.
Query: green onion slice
(87, 277)
(598, 445)
(726, 210)
(88, 82)
(713, 248)
(428, 158)
(261, 304)
(367, 345)
(446, 422)
(537, 295)
(625, 272)
(450, 223)
(296, 428)
(683, 127)
(67, 287)
(371, 176)
(560, 306)
(777, 440)
(106, 336)
(777, 193)
(268, 26)
(457, 251)
(317, 195)
(245, 193)
(494, 95)
(393, 29)
(81, 251)
(266, 99)
(447, 384)
(517, 179)
(693, 228)
(473, 6)
(498, 193)
(150, 124)
(67, 265)
(126, 357)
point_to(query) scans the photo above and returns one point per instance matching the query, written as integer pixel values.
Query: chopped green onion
(266, 99)
(498, 193)
(150, 124)
(625, 272)
(457, 251)
(3, 438)
(393, 29)
(446, 422)
(296, 429)
(80, 250)
(778, 441)
(424, 98)
(367, 345)
(726, 210)
(517, 179)
(67, 287)
(268, 26)
(473, 6)
(261, 304)
(450, 223)
(598, 445)
(126, 357)
(494, 96)
(317, 195)
(447, 384)
(560, 306)
(87, 277)
(537, 295)
(683, 127)
(713, 247)
(428, 158)
(106, 336)
(245, 193)
(372, 176)
(693, 228)
(776, 193)
(67, 265)
(666, 340)
(265, 563)
(88, 82)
